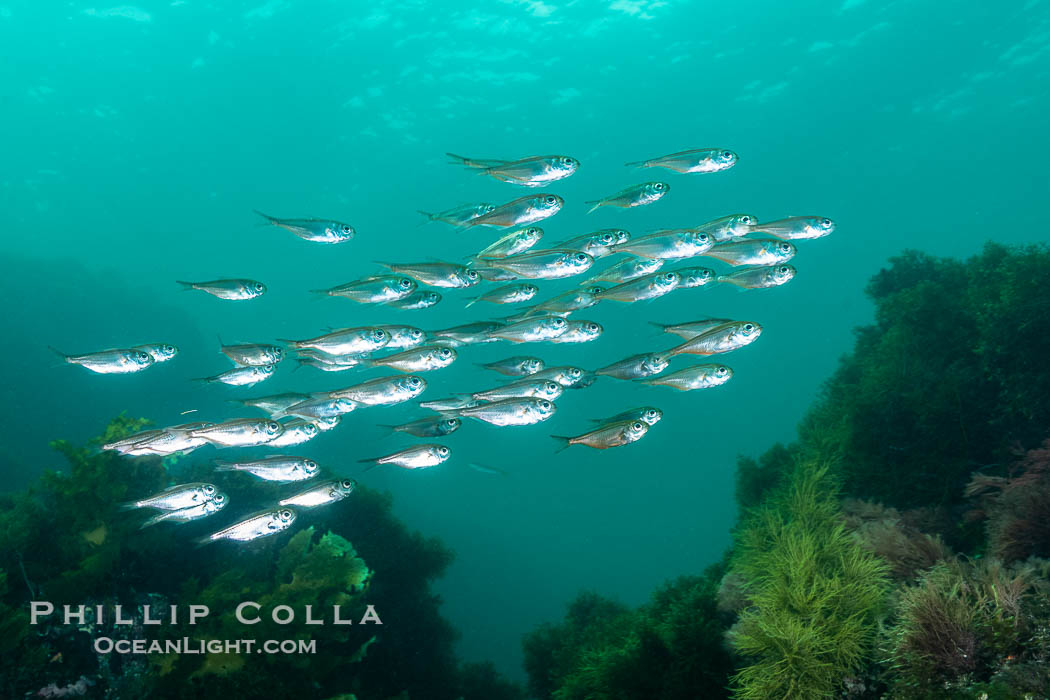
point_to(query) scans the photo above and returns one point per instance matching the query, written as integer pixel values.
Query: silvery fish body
(190, 513)
(314, 230)
(453, 403)
(421, 299)
(263, 524)
(634, 196)
(532, 330)
(241, 432)
(438, 274)
(320, 408)
(608, 436)
(796, 227)
(278, 468)
(696, 377)
(457, 216)
(347, 341)
(534, 171)
(579, 332)
(160, 352)
(523, 389)
(176, 497)
(468, 333)
(418, 457)
(694, 160)
(378, 289)
(383, 391)
(422, 359)
(404, 337)
(567, 302)
(494, 274)
(231, 289)
(508, 294)
(674, 244)
(275, 403)
(753, 251)
(253, 354)
(546, 264)
(626, 270)
(299, 430)
(521, 211)
(325, 424)
(728, 228)
(117, 361)
(513, 243)
(598, 243)
(759, 277)
(692, 277)
(511, 412)
(566, 376)
(321, 494)
(646, 287)
(636, 366)
(723, 338)
(333, 363)
(646, 414)
(170, 440)
(517, 366)
(240, 376)
(433, 426)
(691, 329)
(125, 445)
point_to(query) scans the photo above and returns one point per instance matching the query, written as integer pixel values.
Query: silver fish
(345, 341)
(276, 403)
(383, 391)
(267, 522)
(646, 287)
(694, 160)
(673, 244)
(521, 211)
(321, 494)
(421, 359)
(333, 363)
(240, 376)
(566, 376)
(170, 440)
(753, 251)
(646, 414)
(252, 354)
(727, 228)
(579, 332)
(232, 289)
(607, 436)
(124, 445)
(457, 216)
(512, 243)
(692, 328)
(190, 513)
(696, 377)
(320, 408)
(300, 430)
(493, 274)
(523, 389)
(118, 361)
(550, 264)
(723, 338)
(314, 230)
(437, 274)
(532, 330)
(404, 337)
(278, 468)
(597, 244)
(534, 171)
(626, 270)
(467, 334)
(759, 277)
(240, 432)
(636, 366)
(796, 227)
(511, 412)
(160, 352)
(433, 426)
(508, 294)
(567, 302)
(692, 277)
(378, 289)
(325, 424)
(633, 196)
(517, 366)
(175, 497)
(453, 403)
(418, 457)
(422, 299)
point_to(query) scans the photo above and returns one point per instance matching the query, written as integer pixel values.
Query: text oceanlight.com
(105, 645)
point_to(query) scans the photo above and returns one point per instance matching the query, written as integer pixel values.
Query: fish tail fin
(128, 505)
(58, 352)
(293, 343)
(322, 292)
(152, 520)
(186, 286)
(201, 380)
(384, 263)
(460, 160)
(203, 541)
(473, 300)
(221, 466)
(429, 215)
(596, 202)
(563, 442)
(637, 164)
(269, 219)
(374, 463)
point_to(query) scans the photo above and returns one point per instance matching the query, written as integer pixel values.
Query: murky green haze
(138, 139)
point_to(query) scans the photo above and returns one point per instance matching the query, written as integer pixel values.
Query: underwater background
(138, 140)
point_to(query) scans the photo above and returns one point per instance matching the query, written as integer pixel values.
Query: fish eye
(259, 286)
(545, 404)
(575, 372)
(651, 413)
(748, 327)
(310, 465)
(273, 426)
(669, 276)
(442, 451)
(208, 489)
(658, 186)
(558, 322)
(592, 327)
(727, 154)
(445, 352)
(472, 274)
(416, 333)
(378, 333)
(405, 283)
(549, 199)
(267, 368)
(784, 270)
(142, 356)
(169, 349)
(220, 498)
(414, 381)
(451, 422)
(346, 484)
(285, 514)
(581, 257)
(346, 229)
(567, 161)
(637, 426)
(722, 371)
(826, 223)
